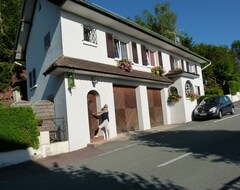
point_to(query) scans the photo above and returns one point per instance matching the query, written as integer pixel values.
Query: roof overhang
(89, 68)
(176, 74)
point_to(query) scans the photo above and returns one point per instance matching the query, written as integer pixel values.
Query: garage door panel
(125, 109)
(155, 107)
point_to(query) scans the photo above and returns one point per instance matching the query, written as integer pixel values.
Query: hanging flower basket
(157, 70)
(192, 96)
(125, 64)
(173, 98)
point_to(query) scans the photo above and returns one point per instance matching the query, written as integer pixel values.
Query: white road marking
(174, 160)
(115, 150)
(226, 118)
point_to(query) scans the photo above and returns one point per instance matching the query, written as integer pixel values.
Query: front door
(92, 107)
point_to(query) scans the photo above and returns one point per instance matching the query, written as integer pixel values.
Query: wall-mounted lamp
(94, 81)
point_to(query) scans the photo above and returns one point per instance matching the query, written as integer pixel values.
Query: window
(134, 52)
(176, 63)
(47, 41)
(120, 49)
(198, 90)
(150, 57)
(90, 34)
(188, 88)
(32, 78)
(39, 6)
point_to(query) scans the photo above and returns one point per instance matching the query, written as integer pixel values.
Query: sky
(215, 22)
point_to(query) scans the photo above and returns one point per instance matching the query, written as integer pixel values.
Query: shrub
(157, 70)
(234, 86)
(18, 128)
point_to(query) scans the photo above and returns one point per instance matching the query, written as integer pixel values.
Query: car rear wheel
(220, 114)
(232, 111)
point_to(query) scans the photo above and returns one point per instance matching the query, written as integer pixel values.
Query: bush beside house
(18, 128)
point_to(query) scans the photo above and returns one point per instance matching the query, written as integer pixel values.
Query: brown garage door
(125, 109)
(155, 107)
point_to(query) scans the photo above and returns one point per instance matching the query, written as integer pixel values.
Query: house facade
(72, 51)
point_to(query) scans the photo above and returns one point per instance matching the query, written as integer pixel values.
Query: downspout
(207, 65)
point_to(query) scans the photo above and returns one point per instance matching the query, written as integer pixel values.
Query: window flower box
(157, 70)
(125, 65)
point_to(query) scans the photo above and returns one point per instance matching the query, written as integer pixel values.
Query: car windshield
(210, 101)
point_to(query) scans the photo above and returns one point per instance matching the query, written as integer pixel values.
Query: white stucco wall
(77, 109)
(36, 56)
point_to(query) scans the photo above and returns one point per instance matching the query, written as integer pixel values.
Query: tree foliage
(9, 18)
(163, 21)
(224, 67)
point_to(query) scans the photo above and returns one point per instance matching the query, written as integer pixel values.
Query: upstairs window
(90, 34)
(150, 57)
(116, 48)
(176, 63)
(120, 49)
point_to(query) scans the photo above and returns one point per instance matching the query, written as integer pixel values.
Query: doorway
(92, 101)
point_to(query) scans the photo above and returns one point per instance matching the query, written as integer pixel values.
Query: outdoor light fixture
(94, 81)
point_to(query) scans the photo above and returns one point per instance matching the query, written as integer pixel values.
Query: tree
(224, 67)
(9, 18)
(236, 46)
(163, 21)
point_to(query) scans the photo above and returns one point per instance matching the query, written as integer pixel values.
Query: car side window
(226, 99)
(222, 100)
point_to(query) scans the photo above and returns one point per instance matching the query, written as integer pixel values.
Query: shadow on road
(34, 176)
(222, 145)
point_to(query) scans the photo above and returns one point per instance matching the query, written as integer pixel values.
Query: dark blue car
(213, 107)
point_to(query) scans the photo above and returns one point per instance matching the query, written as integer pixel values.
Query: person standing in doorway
(105, 121)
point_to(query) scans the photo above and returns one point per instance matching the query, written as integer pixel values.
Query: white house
(72, 49)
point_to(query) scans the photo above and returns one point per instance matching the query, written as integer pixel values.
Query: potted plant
(173, 98)
(173, 95)
(157, 70)
(192, 96)
(125, 64)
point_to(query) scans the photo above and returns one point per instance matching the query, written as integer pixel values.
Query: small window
(188, 88)
(30, 79)
(47, 41)
(120, 49)
(34, 77)
(90, 34)
(39, 6)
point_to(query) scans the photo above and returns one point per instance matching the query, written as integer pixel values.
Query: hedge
(18, 128)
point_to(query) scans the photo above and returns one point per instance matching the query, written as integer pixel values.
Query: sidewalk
(134, 134)
(89, 151)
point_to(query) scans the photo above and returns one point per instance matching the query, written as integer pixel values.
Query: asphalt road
(203, 155)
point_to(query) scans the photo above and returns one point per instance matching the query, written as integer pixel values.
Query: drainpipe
(207, 65)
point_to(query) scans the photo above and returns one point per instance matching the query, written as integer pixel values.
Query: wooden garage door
(125, 109)
(155, 107)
